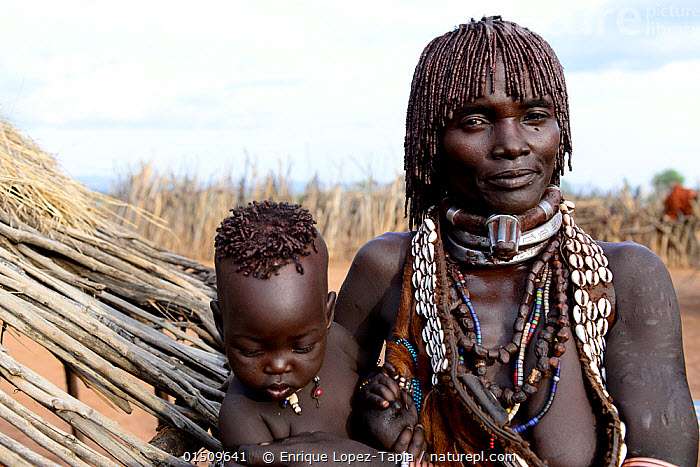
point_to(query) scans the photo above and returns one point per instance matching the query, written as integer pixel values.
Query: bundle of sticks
(113, 307)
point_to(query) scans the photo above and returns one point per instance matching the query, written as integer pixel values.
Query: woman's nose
(508, 140)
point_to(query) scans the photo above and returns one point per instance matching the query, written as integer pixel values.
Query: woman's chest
(561, 424)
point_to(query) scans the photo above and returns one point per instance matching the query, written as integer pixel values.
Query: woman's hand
(389, 415)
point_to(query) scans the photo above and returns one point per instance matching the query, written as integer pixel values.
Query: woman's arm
(644, 359)
(368, 301)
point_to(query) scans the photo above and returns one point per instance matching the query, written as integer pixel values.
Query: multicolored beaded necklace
(469, 336)
(571, 260)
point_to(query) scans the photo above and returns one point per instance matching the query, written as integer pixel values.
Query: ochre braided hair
(264, 236)
(452, 71)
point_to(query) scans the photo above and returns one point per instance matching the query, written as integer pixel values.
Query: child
(294, 370)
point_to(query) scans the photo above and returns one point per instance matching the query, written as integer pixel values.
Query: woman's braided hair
(264, 236)
(452, 71)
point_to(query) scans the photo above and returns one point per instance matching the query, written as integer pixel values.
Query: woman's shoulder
(640, 278)
(632, 259)
(384, 253)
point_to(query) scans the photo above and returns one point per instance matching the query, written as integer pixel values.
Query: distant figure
(679, 200)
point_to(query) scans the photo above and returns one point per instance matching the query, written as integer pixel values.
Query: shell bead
(432, 237)
(623, 454)
(581, 297)
(603, 327)
(591, 262)
(591, 311)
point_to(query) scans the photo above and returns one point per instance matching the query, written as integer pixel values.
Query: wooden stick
(38, 437)
(22, 455)
(64, 439)
(68, 408)
(98, 369)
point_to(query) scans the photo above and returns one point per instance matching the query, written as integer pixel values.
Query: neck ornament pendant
(569, 273)
(504, 232)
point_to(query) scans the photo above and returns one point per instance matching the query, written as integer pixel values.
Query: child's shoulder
(241, 420)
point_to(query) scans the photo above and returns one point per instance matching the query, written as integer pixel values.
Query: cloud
(632, 35)
(324, 82)
(633, 124)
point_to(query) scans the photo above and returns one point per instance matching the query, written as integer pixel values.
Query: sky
(321, 87)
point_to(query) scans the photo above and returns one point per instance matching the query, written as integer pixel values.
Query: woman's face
(499, 152)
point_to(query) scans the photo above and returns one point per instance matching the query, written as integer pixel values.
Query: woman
(521, 334)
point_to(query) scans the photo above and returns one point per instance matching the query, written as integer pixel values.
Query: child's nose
(278, 365)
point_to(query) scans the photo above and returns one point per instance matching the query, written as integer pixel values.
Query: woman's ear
(330, 308)
(216, 311)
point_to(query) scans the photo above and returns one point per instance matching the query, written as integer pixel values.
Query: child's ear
(330, 308)
(216, 311)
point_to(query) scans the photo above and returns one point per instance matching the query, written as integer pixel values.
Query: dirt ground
(687, 284)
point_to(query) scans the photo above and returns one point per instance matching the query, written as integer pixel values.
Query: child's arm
(240, 423)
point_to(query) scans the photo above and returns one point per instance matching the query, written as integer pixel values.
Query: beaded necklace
(293, 400)
(469, 338)
(431, 318)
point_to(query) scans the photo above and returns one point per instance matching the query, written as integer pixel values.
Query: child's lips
(278, 392)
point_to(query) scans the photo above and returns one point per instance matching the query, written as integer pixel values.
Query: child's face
(275, 329)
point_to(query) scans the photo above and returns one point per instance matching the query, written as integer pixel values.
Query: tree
(665, 179)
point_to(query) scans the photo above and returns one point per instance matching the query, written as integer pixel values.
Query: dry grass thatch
(628, 217)
(111, 305)
(347, 216)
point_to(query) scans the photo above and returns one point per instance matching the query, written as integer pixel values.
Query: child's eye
(304, 349)
(250, 353)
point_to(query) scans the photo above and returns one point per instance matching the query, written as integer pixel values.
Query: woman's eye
(536, 116)
(304, 349)
(473, 122)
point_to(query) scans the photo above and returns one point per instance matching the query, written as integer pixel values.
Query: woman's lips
(513, 179)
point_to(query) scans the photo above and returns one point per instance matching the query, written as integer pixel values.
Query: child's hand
(381, 389)
(390, 414)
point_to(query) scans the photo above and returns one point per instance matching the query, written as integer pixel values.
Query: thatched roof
(109, 304)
